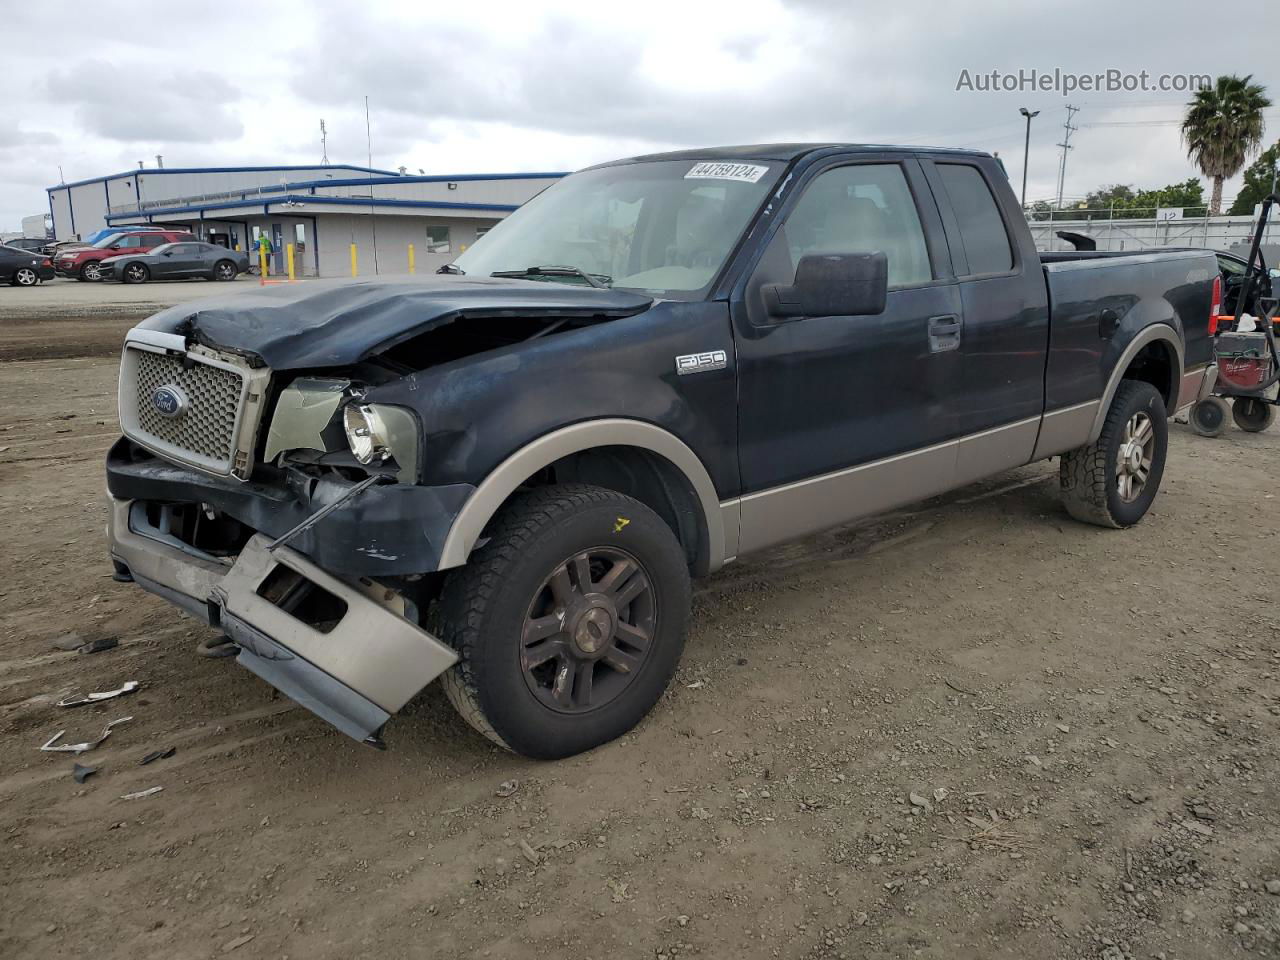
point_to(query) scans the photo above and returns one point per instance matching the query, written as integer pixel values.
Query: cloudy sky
(511, 86)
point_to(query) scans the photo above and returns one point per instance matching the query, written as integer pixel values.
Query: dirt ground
(971, 729)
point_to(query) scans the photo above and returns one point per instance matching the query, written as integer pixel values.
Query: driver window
(864, 208)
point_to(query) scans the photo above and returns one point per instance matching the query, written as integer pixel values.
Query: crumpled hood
(330, 323)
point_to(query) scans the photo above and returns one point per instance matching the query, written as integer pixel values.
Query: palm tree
(1222, 128)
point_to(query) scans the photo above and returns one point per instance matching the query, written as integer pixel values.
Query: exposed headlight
(366, 433)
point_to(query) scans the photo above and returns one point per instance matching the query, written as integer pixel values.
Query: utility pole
(373, 222)
(1026, 151)
(1065, 145)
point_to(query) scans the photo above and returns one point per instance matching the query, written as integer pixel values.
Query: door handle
(944, 333)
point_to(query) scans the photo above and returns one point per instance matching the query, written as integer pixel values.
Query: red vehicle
(83, 263)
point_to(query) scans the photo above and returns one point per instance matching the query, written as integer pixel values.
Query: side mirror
(833, 285)
(167, 253)
(115, 246)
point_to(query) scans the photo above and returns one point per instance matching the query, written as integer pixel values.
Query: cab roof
(787, 151)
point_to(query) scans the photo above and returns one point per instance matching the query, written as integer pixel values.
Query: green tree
(1257, 181)
(1124, 203)
(1223, 126)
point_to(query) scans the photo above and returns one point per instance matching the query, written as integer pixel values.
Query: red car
(83, 263)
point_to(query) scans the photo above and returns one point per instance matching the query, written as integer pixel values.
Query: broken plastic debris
(507, 787)
(155, 755)
(80, 701)
(80, 747)
(142, 793)
(82, 773)
(102, 643)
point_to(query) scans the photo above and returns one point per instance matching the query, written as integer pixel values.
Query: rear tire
(569, 621)
(1209, 416)
(25, 277)
(135, 273)
(1252, 415)
(1112, 482)
(224, 270)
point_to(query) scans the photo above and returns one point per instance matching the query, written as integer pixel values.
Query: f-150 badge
(701, 362)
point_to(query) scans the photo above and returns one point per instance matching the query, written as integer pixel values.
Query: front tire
(1209, 416)
(91, 272)
(1112, 482)
(1252, 415)
(569, 621)
(25, 277)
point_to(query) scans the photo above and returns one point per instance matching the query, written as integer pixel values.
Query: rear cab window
(982, 230)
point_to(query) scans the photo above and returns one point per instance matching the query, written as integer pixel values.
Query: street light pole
(1026, 151)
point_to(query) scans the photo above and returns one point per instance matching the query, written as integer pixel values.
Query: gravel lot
(972, 729)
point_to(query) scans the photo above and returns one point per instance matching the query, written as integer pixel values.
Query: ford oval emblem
(169, 401)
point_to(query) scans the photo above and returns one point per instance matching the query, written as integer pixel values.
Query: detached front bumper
(336, 646)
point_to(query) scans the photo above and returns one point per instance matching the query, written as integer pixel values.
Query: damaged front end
(272, 481)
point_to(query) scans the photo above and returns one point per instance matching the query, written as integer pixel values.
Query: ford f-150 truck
(506, 475)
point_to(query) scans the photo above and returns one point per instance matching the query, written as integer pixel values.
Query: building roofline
(263, 169)
(306, 199)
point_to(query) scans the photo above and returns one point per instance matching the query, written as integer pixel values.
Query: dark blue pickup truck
(505, 476)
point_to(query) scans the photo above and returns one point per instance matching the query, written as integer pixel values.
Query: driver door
(843, 416)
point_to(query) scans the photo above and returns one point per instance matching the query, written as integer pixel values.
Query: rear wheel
(135, 273)
(25, 277)
(1113, 481)
(1209, 416)
(569, 621)
(90, 271)
(224, 270)
(1252, 415)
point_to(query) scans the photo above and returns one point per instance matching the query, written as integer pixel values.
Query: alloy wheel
(1133, 459)
(136, 273)
(26, 277)
(92, 271)
(589, 630)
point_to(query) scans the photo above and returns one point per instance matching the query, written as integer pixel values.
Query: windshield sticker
(744, 172)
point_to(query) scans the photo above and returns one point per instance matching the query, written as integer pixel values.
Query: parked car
(84, 264)
(505, 477)
(189, 260)
(22, 268)
(29, 244)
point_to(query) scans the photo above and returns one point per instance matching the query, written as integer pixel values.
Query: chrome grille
(206, 431)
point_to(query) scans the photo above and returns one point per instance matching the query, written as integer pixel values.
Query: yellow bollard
(354, 269)
(411, 263)
(262, 266)
(288, 250)
(237, 248)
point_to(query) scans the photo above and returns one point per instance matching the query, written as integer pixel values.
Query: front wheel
(569, 621)
(25, 277)
(91, 271)
(1112, 482)
(135, 273)
(1252, 415)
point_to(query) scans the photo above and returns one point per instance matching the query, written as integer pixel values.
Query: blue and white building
(321, 210)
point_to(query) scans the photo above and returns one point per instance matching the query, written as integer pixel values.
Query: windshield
(108, 241)
(664, 227)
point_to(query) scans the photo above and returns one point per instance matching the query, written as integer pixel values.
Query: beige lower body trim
(808, 506)
(1065, 429)
(1196, 385)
